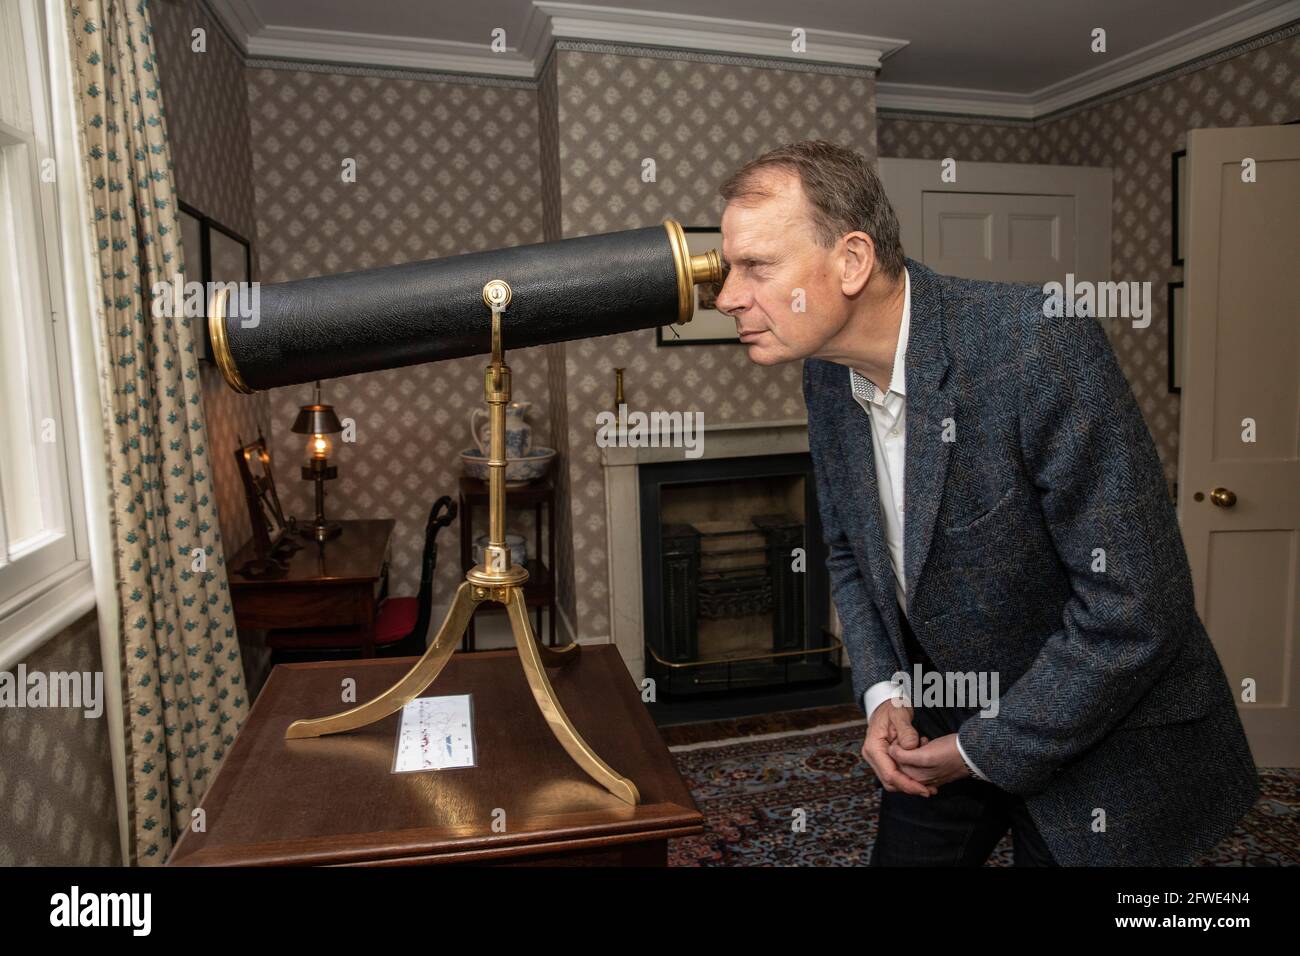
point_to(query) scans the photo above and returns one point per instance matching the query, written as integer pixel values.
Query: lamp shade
(317, 420)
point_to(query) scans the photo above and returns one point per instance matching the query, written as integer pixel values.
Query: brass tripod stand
(494, 580)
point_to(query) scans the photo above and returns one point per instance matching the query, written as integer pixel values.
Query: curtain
(183, 680)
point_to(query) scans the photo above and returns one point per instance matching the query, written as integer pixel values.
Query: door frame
(906, 182)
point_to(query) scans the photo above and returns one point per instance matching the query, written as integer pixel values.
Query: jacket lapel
(853, 434)
(929, 407)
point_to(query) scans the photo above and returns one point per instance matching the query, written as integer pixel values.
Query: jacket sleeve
(1103, 497)
(871, 656)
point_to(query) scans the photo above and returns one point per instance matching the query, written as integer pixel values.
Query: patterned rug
(748, 789)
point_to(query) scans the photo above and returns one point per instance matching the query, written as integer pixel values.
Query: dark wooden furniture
(539, 589)
(336, 583)
(334, 800)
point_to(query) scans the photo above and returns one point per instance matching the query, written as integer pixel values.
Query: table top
(336, 800)
(356, 554)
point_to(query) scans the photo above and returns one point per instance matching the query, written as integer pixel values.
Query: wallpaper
(56, 775)
(1134, 134)
(699, 120)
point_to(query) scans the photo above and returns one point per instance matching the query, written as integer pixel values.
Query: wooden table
(334, 800)
(334, 584)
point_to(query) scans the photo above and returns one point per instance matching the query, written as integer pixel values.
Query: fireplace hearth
(735, 597)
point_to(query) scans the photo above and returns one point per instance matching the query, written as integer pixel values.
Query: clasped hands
(905, 761)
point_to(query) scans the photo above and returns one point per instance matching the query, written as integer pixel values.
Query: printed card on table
(436, 733)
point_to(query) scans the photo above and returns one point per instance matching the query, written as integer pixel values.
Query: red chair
(401, 624)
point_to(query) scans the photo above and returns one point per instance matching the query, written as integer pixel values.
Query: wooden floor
(760, 724)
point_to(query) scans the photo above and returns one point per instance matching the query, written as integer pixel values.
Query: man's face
(777, 269)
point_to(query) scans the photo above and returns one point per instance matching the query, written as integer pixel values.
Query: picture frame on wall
(1177, 335)
(213, 253)
(1178, 212)
(708, 326)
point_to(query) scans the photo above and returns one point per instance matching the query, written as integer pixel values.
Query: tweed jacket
(1039, 543)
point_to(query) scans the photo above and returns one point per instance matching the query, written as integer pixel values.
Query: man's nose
(729, 298)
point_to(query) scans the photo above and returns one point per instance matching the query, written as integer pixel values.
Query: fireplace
(735, 587)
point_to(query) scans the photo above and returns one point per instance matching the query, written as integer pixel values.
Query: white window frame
(46, 587)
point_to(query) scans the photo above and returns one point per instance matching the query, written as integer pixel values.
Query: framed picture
(709, 326)
(1178, 215)
(213, 253)
(264, 511)
(1177, 335)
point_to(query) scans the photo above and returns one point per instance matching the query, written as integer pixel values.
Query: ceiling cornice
(1191, 44)
(554, 21)
(547, 23)
(680, 31)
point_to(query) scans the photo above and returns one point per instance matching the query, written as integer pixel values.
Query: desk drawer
(265, 608)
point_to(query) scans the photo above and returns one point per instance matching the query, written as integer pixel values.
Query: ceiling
(1016, 52)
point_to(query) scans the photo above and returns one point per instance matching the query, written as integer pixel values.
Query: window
(43, 553)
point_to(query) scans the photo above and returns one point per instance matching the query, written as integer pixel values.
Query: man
(994, 508)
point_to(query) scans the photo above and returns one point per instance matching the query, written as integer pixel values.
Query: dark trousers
(965, 820)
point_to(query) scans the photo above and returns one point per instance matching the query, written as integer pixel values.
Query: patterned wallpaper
(57, 806)
(699, 118)
(442, 168)
(1134, 134)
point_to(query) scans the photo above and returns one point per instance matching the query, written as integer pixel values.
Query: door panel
(1243, 369)
(1000, 237)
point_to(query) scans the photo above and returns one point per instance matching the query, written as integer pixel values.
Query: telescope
(389, 317)
(440, 309)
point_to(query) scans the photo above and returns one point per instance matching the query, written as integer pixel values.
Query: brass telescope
(481, 302)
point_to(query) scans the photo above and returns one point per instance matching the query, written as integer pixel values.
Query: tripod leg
(426, 669)
(558, 656)
(556, 718)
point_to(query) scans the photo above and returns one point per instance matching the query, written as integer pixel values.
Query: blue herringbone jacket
(1116, 721)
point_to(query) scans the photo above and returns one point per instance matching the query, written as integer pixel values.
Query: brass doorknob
(1223, 497)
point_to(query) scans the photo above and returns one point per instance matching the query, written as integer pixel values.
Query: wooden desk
(334, 800)
(334, 584)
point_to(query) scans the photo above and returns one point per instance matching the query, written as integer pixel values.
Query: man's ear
(859, 262)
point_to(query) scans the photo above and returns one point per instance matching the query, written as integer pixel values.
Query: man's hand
(890, 729)
(932, 764)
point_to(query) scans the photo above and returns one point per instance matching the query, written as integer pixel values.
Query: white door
(1003, 222)
(1239, 468)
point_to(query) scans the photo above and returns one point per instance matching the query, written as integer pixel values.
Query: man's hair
(844, 192)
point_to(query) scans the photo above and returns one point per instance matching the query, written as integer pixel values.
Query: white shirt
(887, 412)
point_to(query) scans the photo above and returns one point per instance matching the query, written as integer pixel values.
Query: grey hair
(843, 190)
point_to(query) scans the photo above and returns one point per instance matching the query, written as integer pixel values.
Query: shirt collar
(865, 389)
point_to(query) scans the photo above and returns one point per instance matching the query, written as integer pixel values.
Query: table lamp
(394, 316)
(318, 421)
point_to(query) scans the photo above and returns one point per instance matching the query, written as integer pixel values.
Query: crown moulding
(547, 23)
(1187, 46)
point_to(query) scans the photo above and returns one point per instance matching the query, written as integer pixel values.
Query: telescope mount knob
(496, 294)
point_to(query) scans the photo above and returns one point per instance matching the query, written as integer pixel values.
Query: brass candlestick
(493, 580)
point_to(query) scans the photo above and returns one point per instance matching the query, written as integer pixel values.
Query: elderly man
(994, 506)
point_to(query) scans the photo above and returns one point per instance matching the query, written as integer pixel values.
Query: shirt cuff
(962, 750)
(878, 693)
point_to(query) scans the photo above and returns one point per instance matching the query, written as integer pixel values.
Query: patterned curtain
(183, 679)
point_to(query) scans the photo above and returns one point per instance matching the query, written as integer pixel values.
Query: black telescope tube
(427, 311)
